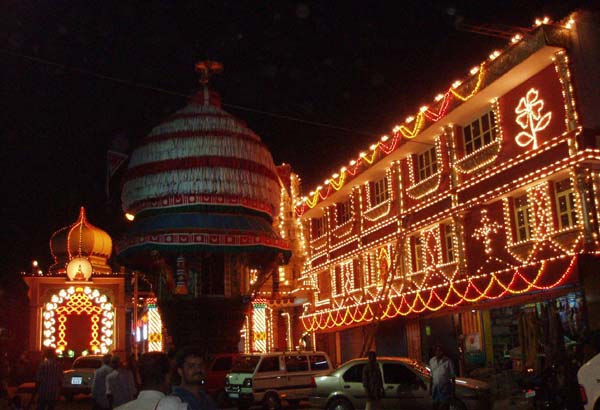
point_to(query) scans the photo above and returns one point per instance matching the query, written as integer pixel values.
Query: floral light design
(530, 118)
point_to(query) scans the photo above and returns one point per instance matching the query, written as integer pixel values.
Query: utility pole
(135, 313)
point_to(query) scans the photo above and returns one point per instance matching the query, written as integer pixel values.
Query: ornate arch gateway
(78, 319)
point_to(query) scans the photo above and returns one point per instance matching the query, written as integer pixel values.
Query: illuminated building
(78, 306)
(201, 192)
(479, 210)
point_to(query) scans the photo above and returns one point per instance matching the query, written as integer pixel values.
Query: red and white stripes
(201, 150)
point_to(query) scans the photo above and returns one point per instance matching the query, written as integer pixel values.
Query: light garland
(417, 303)
(399, 132)
(443, 101)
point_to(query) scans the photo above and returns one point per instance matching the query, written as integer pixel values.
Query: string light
(530, 118)
(402, 131)
(444, 280)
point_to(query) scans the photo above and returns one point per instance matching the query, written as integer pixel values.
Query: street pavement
(84, 402)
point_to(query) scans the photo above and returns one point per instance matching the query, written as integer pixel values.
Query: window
(324, 282)
(354, 374)
(87, 363)
(522, 217)
(418, 253)
(449, 242)
(344, 212)
(319, 226)
(398, 374)
(269, 364)
(565, 204)
(222, 364)
(349, 275)
(427, 163)
(370, 268)
(337, 280)
(480, 132)
(297, 363)
(245, 364)
(318, 362)
(380, 192)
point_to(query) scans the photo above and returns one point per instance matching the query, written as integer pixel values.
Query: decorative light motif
(79, 269)
(486, 228)
(155, 342)
(78, 301)
(262, 326)
(530, 118)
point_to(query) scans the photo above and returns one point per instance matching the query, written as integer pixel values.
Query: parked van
(214, 377)
(270, 378)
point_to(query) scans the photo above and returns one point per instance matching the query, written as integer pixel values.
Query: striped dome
(201, 158)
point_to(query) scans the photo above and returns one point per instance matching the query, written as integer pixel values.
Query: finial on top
(208, 68)
(82, 217)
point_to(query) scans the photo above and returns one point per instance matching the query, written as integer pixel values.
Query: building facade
(475, 222)
(78, 306)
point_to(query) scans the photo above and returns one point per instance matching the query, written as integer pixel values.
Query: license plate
(234, 395)
(76, 380)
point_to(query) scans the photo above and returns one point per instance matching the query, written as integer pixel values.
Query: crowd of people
(154, 382)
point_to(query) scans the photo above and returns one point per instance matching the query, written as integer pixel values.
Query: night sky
(77, 78)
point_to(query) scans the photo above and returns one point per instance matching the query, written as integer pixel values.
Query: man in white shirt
(99, 400)
(442, 379)
(154, 372)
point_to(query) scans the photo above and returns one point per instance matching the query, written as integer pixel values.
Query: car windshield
(420, 367)
(87, 364)
(245, 364)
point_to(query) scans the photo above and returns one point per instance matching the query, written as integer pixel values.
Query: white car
(271, 378)
(79, 379)
(589, 383)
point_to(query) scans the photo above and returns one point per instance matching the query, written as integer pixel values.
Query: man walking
(443, 379)
(49, 381)
(373, 383)
(120, 386)
(190, 367)
(99, 400)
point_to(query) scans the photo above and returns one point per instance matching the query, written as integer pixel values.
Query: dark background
(359, 66)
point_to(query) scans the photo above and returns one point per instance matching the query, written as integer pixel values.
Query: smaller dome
(81, 239)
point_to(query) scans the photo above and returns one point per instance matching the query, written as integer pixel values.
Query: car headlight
(247, 382)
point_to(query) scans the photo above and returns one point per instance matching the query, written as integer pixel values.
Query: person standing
(190, 367)
(48, 382)
(120, 386)
(373, 383)
(443, 379)
(99, 400)
(154, 373)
